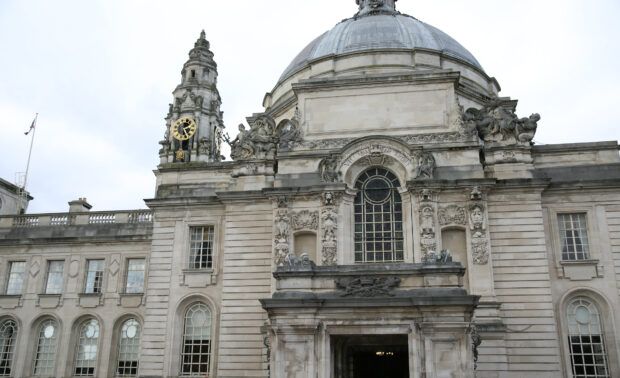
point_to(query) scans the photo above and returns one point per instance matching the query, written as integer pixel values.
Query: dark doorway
(373, 356)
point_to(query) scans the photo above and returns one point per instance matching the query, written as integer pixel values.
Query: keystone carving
(367, 286)
(495, 122)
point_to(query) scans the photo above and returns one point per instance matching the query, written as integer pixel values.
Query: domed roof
(379, 32)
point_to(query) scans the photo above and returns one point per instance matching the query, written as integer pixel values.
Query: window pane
(54, 277)
(378, 220)
(135, 276)
(201, 247)
(87, 348)
(129, 349)
(573, 236)
(196, 350)
(8, 335)
(94, 276)
(585, 339)
(16, 278)
(45, 359)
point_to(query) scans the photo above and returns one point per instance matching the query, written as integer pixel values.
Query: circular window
(48, 332)
(377, 190)
(131, 331)
(582, 314)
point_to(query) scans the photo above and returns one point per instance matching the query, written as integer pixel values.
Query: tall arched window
(585, 339)
(87, 348)
(8, 335)
(129, 349)
(196, 351)
(378, 217)
(45, 359)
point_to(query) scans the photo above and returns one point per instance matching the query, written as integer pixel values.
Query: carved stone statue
(328, 169)
(329, 226)
(426, 219)
(290, 134)
(497, 123)
(426, 166)
(257, 143)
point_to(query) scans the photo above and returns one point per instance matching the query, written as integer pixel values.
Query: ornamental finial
(203, 35)
(367, 7)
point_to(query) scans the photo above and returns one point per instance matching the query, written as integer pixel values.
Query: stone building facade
(386, 214)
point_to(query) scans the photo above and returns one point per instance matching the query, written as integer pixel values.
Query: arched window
(8, 335)
(378, 217)
(129, 349)
(585, 339)
(196, 351)
(45, 359)
(87, 348)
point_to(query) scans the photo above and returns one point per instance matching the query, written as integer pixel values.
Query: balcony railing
(72, 219)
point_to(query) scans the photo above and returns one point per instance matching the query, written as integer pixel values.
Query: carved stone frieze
(496, 122)
(329, 228)
(305, 220)
(367, 286)
(257, 143)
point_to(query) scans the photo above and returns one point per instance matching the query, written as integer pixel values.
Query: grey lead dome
(379, 32)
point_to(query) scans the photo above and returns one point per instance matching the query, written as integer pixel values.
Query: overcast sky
(100, 74)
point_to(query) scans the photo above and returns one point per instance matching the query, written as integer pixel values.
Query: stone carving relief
(476, 341)
(328, 169)
(257, 143)
(428, 241)
(305, 220)
(496, 122)
(452, 214)
(476, 194)
(282, 236)
(426, 165)
(329, 228)
(290, 134)
(443, 258)
(479, 240)
(367, 286)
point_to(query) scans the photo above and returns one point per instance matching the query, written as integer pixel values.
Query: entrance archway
(370, 356)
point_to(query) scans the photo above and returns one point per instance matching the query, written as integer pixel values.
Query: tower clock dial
(184, 128)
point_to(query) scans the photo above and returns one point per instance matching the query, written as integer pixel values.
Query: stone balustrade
(73, 219)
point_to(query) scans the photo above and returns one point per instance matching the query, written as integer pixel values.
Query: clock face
(184, 128)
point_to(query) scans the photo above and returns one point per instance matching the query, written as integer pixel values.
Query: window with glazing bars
(574, 236)
(135, 276)
(8, 335)
(54, 277)
(378, 218)
(201, 247)
(196, 351)
(16, 278)
(129, 349)
(45, 359)
(87, 348)
(585, 340)
(94, 276)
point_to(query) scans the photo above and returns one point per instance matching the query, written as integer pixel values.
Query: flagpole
(34, 130)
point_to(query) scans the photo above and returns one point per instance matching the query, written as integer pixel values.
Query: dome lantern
(368, 7)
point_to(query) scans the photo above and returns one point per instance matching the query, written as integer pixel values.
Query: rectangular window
(94, 276)
(573, 237)
(201, 247)
(135, 276)
(54, 277)
(16, 278)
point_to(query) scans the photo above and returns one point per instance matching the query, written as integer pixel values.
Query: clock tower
(194, 122)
